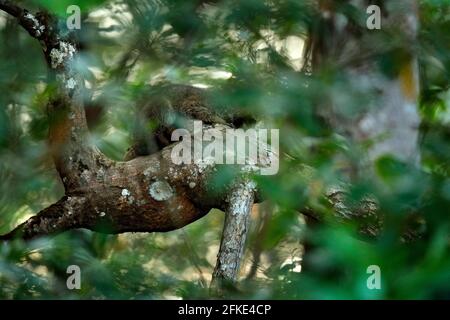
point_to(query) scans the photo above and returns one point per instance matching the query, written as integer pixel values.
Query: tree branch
(234, 234)
(146, 194)
(28, 21)
(54, 219)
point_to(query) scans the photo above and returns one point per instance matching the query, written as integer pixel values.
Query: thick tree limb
(145, 194)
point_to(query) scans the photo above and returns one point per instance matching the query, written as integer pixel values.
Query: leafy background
(249, 53)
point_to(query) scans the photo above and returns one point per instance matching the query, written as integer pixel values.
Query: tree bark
(234, 234)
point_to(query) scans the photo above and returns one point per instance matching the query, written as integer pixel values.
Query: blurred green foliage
(239, 49)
